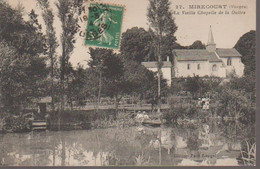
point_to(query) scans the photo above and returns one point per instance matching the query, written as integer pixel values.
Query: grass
(249, 155)
(122, 120)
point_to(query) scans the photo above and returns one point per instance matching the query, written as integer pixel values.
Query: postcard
(127, 82)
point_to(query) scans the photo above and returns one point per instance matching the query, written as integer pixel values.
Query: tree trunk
(53, 156)
(62, 78)
(116, 104)
(159, 73)
(52, 85)
(63, 151)
(99, 88)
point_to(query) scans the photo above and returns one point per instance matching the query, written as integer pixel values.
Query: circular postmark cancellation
(99, 25)
(104, 25)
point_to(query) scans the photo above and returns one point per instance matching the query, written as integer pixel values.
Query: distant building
(166, 69)
(212, 61)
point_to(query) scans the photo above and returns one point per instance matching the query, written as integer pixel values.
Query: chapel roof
(204, 55)
(228, 52)
(195, 55)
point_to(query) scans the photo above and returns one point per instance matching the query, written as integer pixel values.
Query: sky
(227, 29)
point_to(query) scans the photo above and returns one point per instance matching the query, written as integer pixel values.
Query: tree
(77, 87)
(51, 41)
(162, 28)
(97, 64)
(136, 45)
(69, 29)
(22, 71)
(197, 45)
(193, 84)
(24, 36)
(115, 84)
(246, 46)
(149, 87)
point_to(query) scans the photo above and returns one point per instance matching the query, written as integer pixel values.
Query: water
(115, 146)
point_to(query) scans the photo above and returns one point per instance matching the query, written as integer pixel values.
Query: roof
(210, 37)
(195, 55)
(154, 64)
(231, 52)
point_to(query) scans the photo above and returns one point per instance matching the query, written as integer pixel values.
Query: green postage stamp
(104, 25)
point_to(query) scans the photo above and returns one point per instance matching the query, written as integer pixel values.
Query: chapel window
(214, 67)
(198, 66)
(188, 66)
(229, 61)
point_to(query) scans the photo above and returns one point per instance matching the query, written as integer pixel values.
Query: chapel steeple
(211, 46)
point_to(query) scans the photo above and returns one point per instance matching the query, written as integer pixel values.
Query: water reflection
(201, 145)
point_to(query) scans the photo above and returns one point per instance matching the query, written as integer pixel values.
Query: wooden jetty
(39, 125)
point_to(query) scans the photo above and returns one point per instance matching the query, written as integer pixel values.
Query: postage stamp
(104, 25)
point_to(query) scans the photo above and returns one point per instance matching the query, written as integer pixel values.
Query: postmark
(104, 25)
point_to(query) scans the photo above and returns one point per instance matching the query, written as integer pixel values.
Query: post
(160, 148)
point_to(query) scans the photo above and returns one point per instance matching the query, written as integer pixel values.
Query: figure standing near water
(102, 22)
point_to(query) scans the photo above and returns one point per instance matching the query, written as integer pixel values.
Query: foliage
(162, 27)
(196, 45)
(135, 45)
(51, 40)
(23, 71)
(122, 120)
(24, 36)
(2, 124)
(116, 85)
(91, 83)
(236, 103)
(110, 68)
(193, 84)
(246, 46)
(245, 83)
(197, 86)
(22, 78)
(193, 142)
(248, 153)
(174, 114)
(141, 160)
(17, 123)
(77, 86)
(96, 64)
(121, 76)
(69, 29)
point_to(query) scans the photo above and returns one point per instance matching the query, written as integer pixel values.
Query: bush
(247, 155)
(17, 124)
(174, 114)
(2, 124)
(193, 142)
(123, 119)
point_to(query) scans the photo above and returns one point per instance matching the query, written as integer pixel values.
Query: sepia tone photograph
(127, 83)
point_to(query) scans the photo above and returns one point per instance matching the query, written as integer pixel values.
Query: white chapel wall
(182, 70)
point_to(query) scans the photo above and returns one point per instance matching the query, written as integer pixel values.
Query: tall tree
(51, 41)
(69, 29)
(162, 28)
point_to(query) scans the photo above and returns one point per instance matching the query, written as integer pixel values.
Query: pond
(139, 145)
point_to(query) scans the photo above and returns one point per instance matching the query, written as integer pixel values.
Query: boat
(152, 123)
